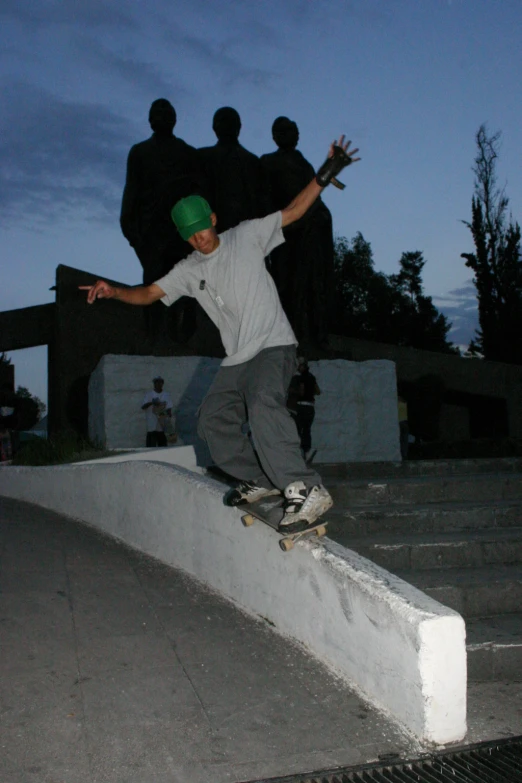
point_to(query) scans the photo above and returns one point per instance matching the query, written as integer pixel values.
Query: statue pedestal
(356, 414)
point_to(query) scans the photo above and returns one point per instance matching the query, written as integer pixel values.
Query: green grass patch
(58, 450)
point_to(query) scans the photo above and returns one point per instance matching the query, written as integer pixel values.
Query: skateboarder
(228, 277)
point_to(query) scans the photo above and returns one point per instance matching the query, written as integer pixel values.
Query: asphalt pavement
(116, 668)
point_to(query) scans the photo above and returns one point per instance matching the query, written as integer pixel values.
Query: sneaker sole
(298, 525)
(233, 499)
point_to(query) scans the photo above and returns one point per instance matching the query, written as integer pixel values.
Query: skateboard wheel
(247, 520)
(286, 544)
(321, 531)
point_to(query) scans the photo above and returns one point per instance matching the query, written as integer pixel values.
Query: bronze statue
(160, 170)
(237, 187)
(303, 267)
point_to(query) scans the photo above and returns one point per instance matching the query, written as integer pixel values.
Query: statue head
(285, 133)
(162, 117)
(226, 124)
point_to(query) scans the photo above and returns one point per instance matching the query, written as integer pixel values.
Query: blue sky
(409, 81)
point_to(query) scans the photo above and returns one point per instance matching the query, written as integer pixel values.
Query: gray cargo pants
(255, 391)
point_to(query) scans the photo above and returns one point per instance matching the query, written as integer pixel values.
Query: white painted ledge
(402, 650)
(183, 456)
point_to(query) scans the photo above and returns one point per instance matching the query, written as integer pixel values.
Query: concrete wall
(405, 652)
(356, 414)
(469, 376)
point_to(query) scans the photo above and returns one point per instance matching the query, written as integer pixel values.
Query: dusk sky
(409, 81)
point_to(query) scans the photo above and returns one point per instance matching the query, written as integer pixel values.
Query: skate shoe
(248, 492)
(303, 507)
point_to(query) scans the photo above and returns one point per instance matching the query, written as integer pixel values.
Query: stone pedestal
(356, 414)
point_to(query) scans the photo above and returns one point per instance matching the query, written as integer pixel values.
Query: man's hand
(339, 156)
(134, 295)
(100, 290)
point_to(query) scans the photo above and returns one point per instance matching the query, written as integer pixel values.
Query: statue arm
(265, 198)
(129, 203)
(304, 200)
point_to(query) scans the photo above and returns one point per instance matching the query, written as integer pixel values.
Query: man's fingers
(96, 291)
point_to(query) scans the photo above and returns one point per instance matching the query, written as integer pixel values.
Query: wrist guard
(331, 168)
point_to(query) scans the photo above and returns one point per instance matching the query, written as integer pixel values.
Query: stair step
(473, 592)
(347, 522)
(435, 467)
(441, 550)
(427, 489)
(494, 647)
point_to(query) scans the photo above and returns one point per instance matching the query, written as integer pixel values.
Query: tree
(354, 275)
(6, 392)
(496, 262)
(393, 309)
(24, 394)
(420, 325)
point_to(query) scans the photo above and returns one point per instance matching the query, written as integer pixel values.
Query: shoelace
(308, 500)
(247, 487)
(298, 501)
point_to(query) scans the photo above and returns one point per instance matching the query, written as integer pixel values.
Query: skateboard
(270, 511)
(166, 423)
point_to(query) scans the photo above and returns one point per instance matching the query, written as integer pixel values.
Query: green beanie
(191, 214)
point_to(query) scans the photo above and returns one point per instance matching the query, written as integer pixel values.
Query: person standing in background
(302, 392)
(158, 404)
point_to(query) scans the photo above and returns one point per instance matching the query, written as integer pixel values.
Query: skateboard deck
(166, 423)
(270, 511)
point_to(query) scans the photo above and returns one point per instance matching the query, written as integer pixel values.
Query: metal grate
(486, 762)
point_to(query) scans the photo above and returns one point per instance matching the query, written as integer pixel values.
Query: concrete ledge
(184, 456)
(402, 650)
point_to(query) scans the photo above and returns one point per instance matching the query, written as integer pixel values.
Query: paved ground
(117, 669)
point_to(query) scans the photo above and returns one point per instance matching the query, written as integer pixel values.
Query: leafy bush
(62, 448)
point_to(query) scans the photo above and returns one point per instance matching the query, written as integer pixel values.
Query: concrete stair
(453, 529)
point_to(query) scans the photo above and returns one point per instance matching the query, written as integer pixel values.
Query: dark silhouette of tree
(22, 409)
(24, 394)
(393, 309)
(496, 262)
(419, 323)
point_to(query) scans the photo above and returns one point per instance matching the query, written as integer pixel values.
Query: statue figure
(303, 267)
(160, 170)
(236, 180)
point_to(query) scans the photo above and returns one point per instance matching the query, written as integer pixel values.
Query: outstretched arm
(140, 295)
(340, 157)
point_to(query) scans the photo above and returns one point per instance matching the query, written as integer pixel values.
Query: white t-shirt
(152, 420)
(234, 287)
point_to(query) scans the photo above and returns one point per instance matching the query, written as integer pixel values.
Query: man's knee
(201, 429)
(268, 398)
(206, 414)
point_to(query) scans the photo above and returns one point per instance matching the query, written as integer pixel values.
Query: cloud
(59, 157)
(217, 58)
(94, 13)
(133, 70)
(461, 308)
